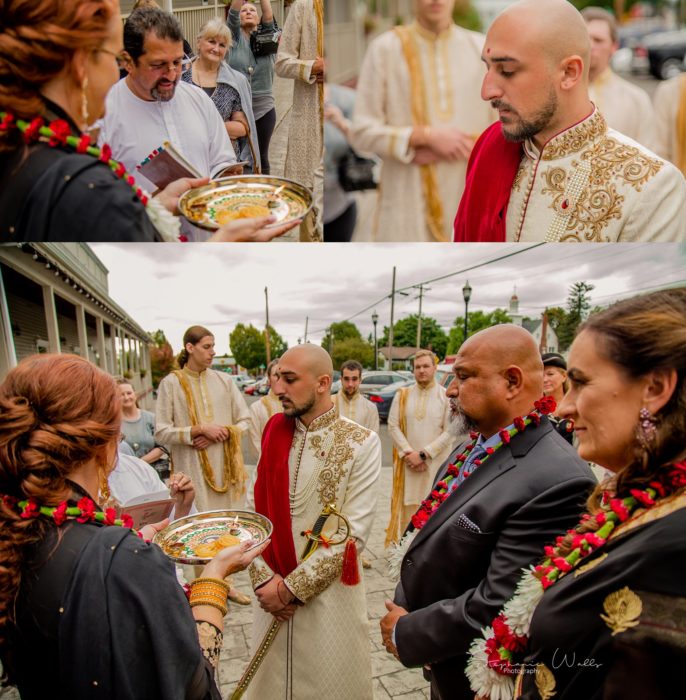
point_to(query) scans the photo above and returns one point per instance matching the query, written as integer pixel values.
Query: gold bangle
(222, 608)
(218, 581)
(212, 592)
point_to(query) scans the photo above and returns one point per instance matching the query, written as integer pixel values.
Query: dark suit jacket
(453, 581)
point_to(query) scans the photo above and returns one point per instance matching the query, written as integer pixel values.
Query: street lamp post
(466, 295)
(375, 320)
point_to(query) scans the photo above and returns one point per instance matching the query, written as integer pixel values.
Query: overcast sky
(173, 286)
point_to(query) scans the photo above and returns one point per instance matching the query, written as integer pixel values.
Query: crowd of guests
(515, 559)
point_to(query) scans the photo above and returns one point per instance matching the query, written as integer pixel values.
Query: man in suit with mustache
(500, 497)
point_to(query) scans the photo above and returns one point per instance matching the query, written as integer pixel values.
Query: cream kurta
(260, 412)
(593, 184)
(360, 410)
(218, 401)
(295, 58)
(451, 73)
(625, 106)
(667, 98)
(427, 415)
(323, 651)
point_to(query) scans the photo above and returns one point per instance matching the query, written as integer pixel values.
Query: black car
(666, 53)
(383, 398)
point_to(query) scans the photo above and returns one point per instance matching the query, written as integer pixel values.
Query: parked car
(259, 388)
(666, 53)
(241, 380)
(383, 398)
(376, 380)
(632, 55)
(444, 375)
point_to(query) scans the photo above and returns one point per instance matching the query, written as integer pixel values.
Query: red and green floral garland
(85, 511)
(430, 505)
(492, 664)
(58, 133)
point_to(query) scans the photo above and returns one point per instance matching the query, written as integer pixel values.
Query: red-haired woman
(87, 608)
(58, 59)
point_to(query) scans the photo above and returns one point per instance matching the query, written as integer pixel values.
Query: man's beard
(157, 95)
(527, 129)
(295, 411)
(460, 423)
(350, 395)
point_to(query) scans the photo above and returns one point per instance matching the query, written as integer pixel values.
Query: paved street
(391, 679)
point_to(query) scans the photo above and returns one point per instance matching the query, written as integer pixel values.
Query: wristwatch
(423, 455)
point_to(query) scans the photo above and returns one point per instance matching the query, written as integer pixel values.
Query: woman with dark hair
(86, 607)
(602, 615)
(58, 59)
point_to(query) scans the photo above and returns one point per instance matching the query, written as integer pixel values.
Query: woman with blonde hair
(97, 608)
(228, 89)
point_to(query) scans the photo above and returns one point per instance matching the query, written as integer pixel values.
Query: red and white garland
(492, 667)
(544, 406)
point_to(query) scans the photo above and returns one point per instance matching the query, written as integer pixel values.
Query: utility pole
(307, 318)
(266, 329)
(390, 332)
(419, 318)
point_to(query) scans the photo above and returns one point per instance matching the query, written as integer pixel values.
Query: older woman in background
(603, 614)
(99, 607)
(243, 20)
(228, 89)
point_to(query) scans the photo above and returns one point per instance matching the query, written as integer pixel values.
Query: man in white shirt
(350, 403)
(151, 105)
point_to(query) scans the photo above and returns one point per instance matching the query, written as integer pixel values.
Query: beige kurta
(593, 184)
(427, 415)
(217, 400)
(260, 412)
(323, 651)
(625, 106)
(358, 409)
(298, 50)
(451, 73)
(667, 99)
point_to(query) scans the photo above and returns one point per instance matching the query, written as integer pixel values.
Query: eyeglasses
(121, 58)
(179, 65)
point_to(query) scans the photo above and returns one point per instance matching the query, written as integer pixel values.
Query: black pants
(265, 127)
(341, 229)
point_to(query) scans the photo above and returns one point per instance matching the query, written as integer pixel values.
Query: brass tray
(214, 204)
(181, 537)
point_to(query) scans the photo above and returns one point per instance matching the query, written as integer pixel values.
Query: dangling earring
(106, 500)
(84, 103)
(647, 428)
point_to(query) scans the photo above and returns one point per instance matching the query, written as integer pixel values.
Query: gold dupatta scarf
(233, 469)
(681, 129)
(395, 524)
(319, 11)
(432, 201)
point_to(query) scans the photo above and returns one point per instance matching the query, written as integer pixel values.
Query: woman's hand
(150, 530)
(181, 488)
(251, 230)
(232, 559)
(169, 196)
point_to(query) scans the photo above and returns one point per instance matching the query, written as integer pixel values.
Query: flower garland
(85, 511)
(491, 667)
(58, 133)
(544, 406)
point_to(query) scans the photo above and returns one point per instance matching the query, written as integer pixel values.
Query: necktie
(478, 452)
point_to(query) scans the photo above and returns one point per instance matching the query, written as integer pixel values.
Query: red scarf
(271, 492)
(491, 171)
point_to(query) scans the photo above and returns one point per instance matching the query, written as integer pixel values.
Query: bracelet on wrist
(223, 609)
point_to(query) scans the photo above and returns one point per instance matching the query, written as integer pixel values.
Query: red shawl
(491, 171)
(271, 492)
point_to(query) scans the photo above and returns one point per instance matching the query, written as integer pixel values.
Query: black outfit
(265, 128)
(578, 647)
(100, 614)
(341, 229)
(465, 562)
(56, 194)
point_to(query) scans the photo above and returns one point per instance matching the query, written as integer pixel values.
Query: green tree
(249, 349)
(466, 15)
(405, 334)
(556, 317)
(161, 358)
(343, 330)
(578, 306)
(352, 349)
(476, 321)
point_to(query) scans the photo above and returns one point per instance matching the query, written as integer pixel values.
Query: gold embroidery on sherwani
(591, 565)
(517, 182)
(211, 640)
(259, 574)
(306, 585)
(545, 682)
(623, 608)
(611, 159)
(575, 139)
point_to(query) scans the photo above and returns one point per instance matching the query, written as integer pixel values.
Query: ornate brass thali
(245, 196)
(196, 538)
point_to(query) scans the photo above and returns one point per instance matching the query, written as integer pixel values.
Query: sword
(314, 539)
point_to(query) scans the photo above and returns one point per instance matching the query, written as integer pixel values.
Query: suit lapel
(496, 465)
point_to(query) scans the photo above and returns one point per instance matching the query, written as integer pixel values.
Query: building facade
(55, 298)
